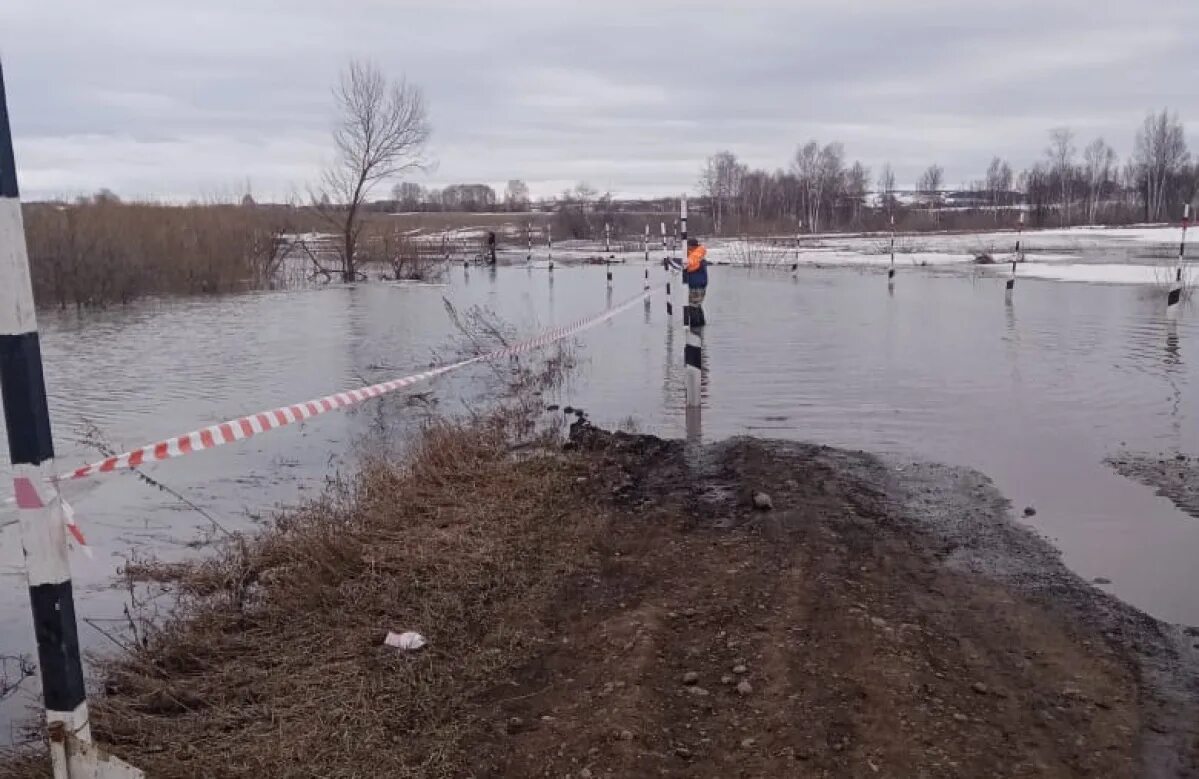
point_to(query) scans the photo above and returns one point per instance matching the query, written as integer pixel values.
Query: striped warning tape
(245, 427)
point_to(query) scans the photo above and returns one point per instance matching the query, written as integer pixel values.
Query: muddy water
(1035, 395)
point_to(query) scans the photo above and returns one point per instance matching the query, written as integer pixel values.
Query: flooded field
(1035, 395)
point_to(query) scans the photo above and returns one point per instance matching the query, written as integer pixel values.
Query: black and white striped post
(549, 238)
(665, 251)
(608, 252)
(891, 270)
(529, 236)
(40, 509)
(646, 246)
(693, 321)
(1010, 287)
(1174, 297)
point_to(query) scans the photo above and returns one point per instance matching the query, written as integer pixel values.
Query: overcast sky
(192, 98)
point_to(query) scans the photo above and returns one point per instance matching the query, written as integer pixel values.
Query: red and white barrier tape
(247, 426)
(27, 493)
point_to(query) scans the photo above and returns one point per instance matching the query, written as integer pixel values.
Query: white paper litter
(407, 641)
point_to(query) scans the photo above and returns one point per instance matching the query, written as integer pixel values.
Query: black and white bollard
(1174, 297)
(549, 238)
(1010, 287)
(669, 304)
(693, 363)
(40, 509)
(665, 251)
(891, 270)
(529, 236)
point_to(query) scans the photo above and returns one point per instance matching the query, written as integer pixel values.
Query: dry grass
(100, 252)
(274, 663)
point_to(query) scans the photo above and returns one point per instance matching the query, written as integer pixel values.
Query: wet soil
(883, 618)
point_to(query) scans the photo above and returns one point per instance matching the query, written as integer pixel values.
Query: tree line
(822, 190)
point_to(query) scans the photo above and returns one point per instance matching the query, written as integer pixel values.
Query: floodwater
(1035, 394)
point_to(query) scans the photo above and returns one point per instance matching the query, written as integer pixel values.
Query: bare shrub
(760, 253)
(103, 251)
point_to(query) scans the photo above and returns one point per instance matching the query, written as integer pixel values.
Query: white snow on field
(1141, 254)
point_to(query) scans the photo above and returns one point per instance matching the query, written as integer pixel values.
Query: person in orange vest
(695, 272)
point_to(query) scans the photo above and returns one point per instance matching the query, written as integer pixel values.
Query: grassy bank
(618, 607)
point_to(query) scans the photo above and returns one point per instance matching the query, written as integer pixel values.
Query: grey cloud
(178, 100)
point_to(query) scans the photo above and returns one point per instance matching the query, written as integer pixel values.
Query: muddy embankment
(624, 606)
(1174, 476)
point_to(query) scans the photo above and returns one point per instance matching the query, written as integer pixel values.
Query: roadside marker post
(1174, 297)
(41, 512)
(549, 237)
(891, 270)
(693, 321)
(1010, 287)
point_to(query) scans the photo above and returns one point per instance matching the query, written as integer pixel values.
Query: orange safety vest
(695, 258)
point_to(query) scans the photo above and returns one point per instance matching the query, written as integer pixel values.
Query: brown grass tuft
(274, 663)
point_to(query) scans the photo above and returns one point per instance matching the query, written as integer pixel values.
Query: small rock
(683, 752)
(748, 743)
(744, 687)
(585, 773)
(515, 724)
(625, 735)
(691, 677)
(739, 669)
(726, 679)
(568, 410)
(1101, 580)
(698, 692)
(979, 688)
(1029, 511)
(762, 501)
(552, 407)
(959, 717)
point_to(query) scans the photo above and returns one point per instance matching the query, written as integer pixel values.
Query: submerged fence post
(1174, 298)
(42, 519)
(1010, 288)
(891, 270)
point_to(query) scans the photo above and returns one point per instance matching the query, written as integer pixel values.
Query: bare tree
(886, 187)
(857, 181)
(1061, 167)
(998, 183)
(1160, 152)
(720, 181)
(820, 173)
(930, 183)
(381, 133)
(1098, 160)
